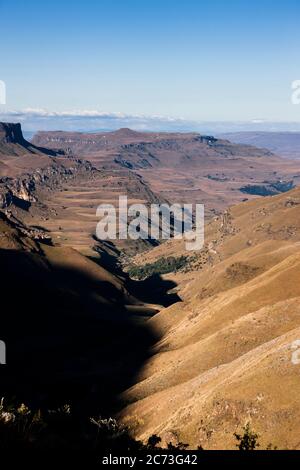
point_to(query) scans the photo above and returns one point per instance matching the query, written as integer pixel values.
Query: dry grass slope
(225, 354)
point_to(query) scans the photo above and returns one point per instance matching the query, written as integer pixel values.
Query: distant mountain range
(285, 144)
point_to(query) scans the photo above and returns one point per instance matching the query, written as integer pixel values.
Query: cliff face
(12, 133)
(24, 188)
(21, 177)
(12, 142)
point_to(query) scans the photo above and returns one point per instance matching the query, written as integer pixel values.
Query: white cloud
(86, 113)
(34, 119)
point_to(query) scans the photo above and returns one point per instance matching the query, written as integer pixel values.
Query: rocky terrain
(24, 168)
(61, 192)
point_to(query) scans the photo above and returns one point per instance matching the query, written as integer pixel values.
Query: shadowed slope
(69, 334)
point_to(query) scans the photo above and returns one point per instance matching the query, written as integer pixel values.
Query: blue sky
(217, 60)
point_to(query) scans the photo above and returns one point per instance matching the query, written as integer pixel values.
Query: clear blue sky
(214, 60)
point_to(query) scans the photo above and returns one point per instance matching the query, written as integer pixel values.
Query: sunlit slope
(225, 357)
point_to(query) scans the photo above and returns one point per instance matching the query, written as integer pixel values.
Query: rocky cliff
(35, 168)
(12, 142)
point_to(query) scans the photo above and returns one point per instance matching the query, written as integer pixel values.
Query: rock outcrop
(12, 133)
(12, 142)
(24, 188)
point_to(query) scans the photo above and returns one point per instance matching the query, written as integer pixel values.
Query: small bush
(59, 431)
(55, 431)
(248, 440)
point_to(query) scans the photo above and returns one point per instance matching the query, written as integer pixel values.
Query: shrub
(248, 440)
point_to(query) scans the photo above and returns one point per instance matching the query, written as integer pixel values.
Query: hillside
(225, 357)
(70, 325)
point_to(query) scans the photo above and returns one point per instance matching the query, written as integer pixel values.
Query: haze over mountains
(285, 144)
(89, 120)
(190, 355)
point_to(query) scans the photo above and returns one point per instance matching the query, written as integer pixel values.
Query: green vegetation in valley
(268, 189)
(161, 266)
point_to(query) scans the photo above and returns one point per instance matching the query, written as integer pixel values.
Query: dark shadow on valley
(154, 289)
(69, 338)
